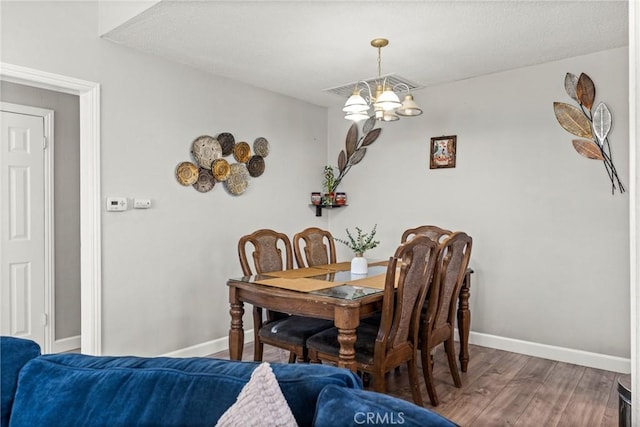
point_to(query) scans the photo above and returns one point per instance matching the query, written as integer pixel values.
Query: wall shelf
(320, 207)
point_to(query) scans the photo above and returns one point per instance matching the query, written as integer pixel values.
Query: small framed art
(443, 152)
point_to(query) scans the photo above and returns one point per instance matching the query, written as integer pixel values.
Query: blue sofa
(79, 390)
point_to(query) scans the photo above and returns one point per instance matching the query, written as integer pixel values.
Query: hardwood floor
(507, 389)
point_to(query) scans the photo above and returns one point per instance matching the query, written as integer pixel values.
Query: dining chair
(319, 247)
(379, 349)
(272, 252)
(432, 231)
(437, 323)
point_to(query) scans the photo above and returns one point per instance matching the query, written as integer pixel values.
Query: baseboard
(209, 347)
(66, 344)
(561, 354)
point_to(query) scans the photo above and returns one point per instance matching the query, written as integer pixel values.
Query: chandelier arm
(402, 84)
(370, 98)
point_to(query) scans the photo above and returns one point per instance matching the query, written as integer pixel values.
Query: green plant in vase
(329, 185)
(359, 244)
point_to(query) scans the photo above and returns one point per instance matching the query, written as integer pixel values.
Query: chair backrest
(451, 266)
(269, 246)
(433, 232)
(413, 264)
(319, 247)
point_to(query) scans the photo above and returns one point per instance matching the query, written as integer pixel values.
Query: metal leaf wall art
(588, 122)
(355, 148)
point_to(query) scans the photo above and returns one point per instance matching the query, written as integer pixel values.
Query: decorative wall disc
(205, 150)
(261, 147)
(205, 181)
(187, 173)
(221, 169)
(238, 180)
(209, 166)
(227, 142)
(242, 152)
(255, 165)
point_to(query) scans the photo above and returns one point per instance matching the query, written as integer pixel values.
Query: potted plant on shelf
(330, 185)
(359, 245)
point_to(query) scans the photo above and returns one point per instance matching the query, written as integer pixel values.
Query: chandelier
(386, 103)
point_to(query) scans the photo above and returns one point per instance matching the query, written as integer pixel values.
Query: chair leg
(453, 364)
(258, 346)
(292, 357)
(366, 379)
(427, 371)
(414, 382)
(313, 357)
(379, 384)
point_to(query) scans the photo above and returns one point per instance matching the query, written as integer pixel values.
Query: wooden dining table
(326, 292)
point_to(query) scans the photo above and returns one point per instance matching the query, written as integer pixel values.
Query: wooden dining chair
(432, 231)
(272, 252)
(437, 324)
(379, 349)
(314, 246)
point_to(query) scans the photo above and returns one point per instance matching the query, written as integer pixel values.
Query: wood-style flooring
(507, 389)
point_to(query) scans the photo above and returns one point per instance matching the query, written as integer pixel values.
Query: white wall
(550, 241)
(165, 269)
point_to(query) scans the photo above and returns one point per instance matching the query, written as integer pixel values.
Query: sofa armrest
(14, 354)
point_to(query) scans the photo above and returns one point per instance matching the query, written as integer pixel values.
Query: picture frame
(443, 152)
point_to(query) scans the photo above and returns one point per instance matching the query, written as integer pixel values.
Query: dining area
(323, 310)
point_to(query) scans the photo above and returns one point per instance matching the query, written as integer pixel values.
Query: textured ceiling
(299, 48)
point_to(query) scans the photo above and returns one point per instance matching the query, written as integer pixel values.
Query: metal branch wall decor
(209, 167)
(355, 148)
(588, 122)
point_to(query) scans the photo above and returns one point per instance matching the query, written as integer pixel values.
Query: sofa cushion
(80, 390)
(341, 407)
(14, 354)
(260, 403)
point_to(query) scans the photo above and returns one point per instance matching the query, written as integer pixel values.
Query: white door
(22, 227)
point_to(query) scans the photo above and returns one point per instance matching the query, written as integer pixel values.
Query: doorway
(90, 193)
(63, 304)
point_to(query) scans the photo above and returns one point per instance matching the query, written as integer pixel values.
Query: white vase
(359, 265)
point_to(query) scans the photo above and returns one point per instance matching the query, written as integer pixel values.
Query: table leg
(236, 332)
(347, 321)
(464, 320)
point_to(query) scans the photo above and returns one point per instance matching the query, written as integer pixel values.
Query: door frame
(49, 242)
(634, 201)
(90, 193)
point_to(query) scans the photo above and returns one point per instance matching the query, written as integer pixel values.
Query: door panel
(22, 297)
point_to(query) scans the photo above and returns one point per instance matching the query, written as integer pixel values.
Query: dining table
(331, 292)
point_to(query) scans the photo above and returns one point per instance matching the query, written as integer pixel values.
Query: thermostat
(116, 204)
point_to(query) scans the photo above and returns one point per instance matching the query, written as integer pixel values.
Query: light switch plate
(141, 203)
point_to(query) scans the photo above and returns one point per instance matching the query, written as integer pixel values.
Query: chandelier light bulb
(355, 103)
(409, 107)
(388, 100)
(356, 117)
